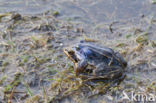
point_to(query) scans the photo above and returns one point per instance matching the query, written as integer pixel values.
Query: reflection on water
(87, 10)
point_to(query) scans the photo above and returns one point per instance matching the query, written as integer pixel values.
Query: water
(29, 41)
(24, 6)
(84, 10)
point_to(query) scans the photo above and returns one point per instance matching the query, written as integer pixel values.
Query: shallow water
(24, 6)
(84, 10)
(31, 46)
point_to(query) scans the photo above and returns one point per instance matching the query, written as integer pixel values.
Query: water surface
(84, 10)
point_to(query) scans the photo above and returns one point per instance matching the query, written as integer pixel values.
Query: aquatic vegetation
(142, 39)
(33, 67)
(56, 13)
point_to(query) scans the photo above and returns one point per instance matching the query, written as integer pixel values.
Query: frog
(95, 61)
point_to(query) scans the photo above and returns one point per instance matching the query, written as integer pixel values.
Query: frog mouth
(70, 54)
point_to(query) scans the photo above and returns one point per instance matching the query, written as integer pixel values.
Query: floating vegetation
(128, 36)
(3, 79)
(56, 13)
(142, 39)
(33, 67)
(87, 39)
(153, 43)
(67, 84)
(4, 15)
(121, 45)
